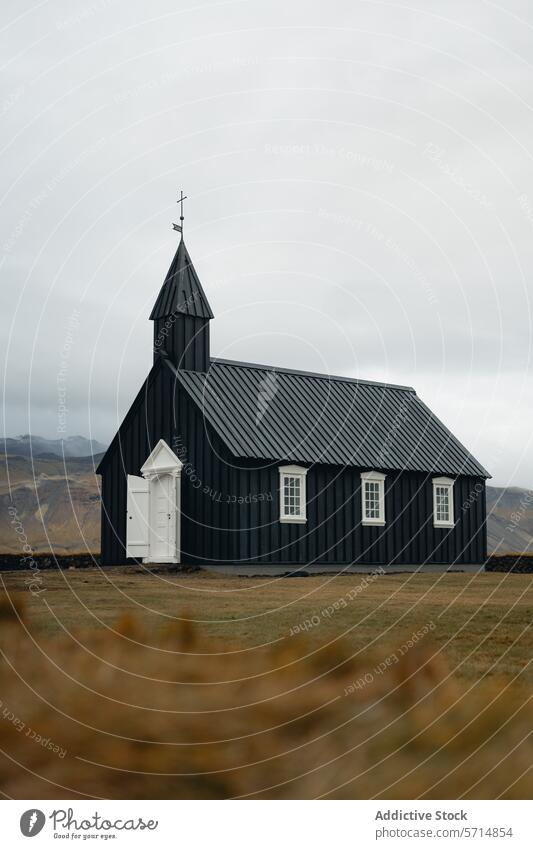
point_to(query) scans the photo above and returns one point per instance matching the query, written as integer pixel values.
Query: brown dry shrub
(174, 716)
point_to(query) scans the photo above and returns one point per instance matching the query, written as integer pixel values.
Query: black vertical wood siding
(230, 508)
(147, 422)
(185, 339)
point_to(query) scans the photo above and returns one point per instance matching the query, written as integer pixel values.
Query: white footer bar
(266, 824)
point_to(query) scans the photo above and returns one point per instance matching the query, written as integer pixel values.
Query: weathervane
(179, 227)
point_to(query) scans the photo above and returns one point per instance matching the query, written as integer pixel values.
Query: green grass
(483, 621)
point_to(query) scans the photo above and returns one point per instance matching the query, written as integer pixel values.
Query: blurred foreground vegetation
(246, 702)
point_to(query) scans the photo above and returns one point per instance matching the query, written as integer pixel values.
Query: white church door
(153, 521)
(163, 519)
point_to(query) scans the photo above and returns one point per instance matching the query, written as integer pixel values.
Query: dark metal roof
(262, 412)
(182, 291)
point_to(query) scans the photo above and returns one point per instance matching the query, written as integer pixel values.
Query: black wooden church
(228, 462)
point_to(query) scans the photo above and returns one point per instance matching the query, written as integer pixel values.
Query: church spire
(182, 313)
(182, 291)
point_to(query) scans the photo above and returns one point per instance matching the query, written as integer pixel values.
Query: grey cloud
(361, 196)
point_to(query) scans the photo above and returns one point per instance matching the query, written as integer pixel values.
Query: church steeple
(181, 315)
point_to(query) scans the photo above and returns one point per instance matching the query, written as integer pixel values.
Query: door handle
(168, 514)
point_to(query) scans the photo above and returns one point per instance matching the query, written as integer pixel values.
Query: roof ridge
(321, 376)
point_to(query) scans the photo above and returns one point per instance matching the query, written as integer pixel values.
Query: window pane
(372, 500)
(442, 503)
(291, 495)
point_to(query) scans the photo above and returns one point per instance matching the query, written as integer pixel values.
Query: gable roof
(182, 291)
(139, 400)
(267, 413)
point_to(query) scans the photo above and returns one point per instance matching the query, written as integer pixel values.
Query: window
(373, 498)
(292, 498)
(443, 503)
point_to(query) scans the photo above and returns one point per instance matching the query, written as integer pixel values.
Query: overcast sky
(360, 182)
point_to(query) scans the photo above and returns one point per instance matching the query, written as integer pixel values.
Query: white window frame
(448, 483)
(299, 472)
(379, 478)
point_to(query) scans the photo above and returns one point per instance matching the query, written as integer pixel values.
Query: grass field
(123, 684)
(482, 622)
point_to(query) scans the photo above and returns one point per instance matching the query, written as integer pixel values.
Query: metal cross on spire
(179, 227)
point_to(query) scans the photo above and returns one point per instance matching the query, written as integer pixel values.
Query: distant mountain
(57, 501)
(510, 520)
(72, 446)
(50, 502)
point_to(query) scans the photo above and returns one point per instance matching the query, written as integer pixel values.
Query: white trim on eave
(373, 476)
(293, 470)
(161, 460)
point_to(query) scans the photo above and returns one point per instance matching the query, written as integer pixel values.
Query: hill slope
(510, 527)
(57, 504)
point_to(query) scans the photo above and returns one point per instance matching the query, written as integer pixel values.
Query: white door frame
(163, 462)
